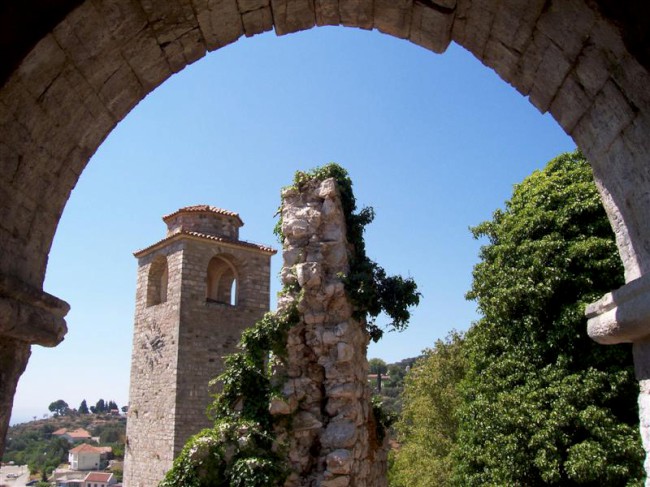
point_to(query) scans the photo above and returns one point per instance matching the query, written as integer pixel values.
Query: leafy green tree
(542, 403)
(59, 407)
(427, 427)
(83, 407)
(99, 407)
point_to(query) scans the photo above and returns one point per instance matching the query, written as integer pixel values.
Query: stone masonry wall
(152, 393)
(209, 330)
(332, 441)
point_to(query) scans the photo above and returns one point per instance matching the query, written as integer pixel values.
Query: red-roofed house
(99, 479)
(79, 434)
(87, 457)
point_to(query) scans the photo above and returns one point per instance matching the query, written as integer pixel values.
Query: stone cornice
(226, 242)
(623, 315)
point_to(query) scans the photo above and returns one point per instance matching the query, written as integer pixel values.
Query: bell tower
(197, 290)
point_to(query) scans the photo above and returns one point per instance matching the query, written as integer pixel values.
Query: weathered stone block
(357, 13)
(327, 12)
(606, 119)
(292, 15)
(394, 17)
(42, 65)
(257, 21)
(339, 434)
(342, 481)
(570, 103)
(472, 24)
(567, 16)
(306, 421)
(220, 22)
(431, 28)
(549, 76)
(339, 462)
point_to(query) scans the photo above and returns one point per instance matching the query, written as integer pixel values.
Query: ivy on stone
(371, 290)
(240, 450)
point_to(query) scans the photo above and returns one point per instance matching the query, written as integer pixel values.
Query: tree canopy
(59, 407)
(83, 407)
(427, 426)
(543, 403)
(538, 402)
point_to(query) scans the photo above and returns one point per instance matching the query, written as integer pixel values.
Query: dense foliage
(38, 449)
(539, 402)
(103, 407)
(427, 427)
(543, 403)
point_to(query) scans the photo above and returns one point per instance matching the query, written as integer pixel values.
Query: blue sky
(433, 142)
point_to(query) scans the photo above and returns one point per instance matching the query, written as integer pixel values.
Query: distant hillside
(33, 443)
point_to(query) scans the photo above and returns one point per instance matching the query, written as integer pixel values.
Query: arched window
(221, 285)
(157, 282)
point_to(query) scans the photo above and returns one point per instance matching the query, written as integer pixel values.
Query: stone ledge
(31, 315)
(623, 315)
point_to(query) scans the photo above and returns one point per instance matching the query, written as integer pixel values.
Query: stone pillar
(623, 316)
(332, 439)
(13, 360)
(27, 316)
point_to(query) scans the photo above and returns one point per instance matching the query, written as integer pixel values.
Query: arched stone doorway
(101, 58)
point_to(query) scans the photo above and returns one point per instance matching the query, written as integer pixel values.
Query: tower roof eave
(204, 237)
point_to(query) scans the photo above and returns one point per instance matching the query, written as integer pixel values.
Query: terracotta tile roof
(60, 431)
(203, 209)
(78, 433)
(86, 448)
(224, 240)
(98, 477)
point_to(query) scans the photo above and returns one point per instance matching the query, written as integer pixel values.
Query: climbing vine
(240, 449)
(371, 290)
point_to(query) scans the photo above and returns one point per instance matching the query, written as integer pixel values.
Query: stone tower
(197, 290)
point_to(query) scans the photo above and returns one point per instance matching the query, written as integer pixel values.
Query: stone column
(27, 316)
(623, 316)
(332, 437)
(13, 360)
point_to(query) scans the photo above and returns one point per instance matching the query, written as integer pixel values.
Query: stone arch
(81, 71)
(157, 281)
(82, 78)
(222, 281)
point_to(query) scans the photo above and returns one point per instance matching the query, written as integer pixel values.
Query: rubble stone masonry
(332, 441)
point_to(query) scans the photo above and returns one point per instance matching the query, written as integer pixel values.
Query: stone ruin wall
(332, 441)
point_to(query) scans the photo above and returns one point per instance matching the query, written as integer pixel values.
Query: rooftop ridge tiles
(203, 209)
